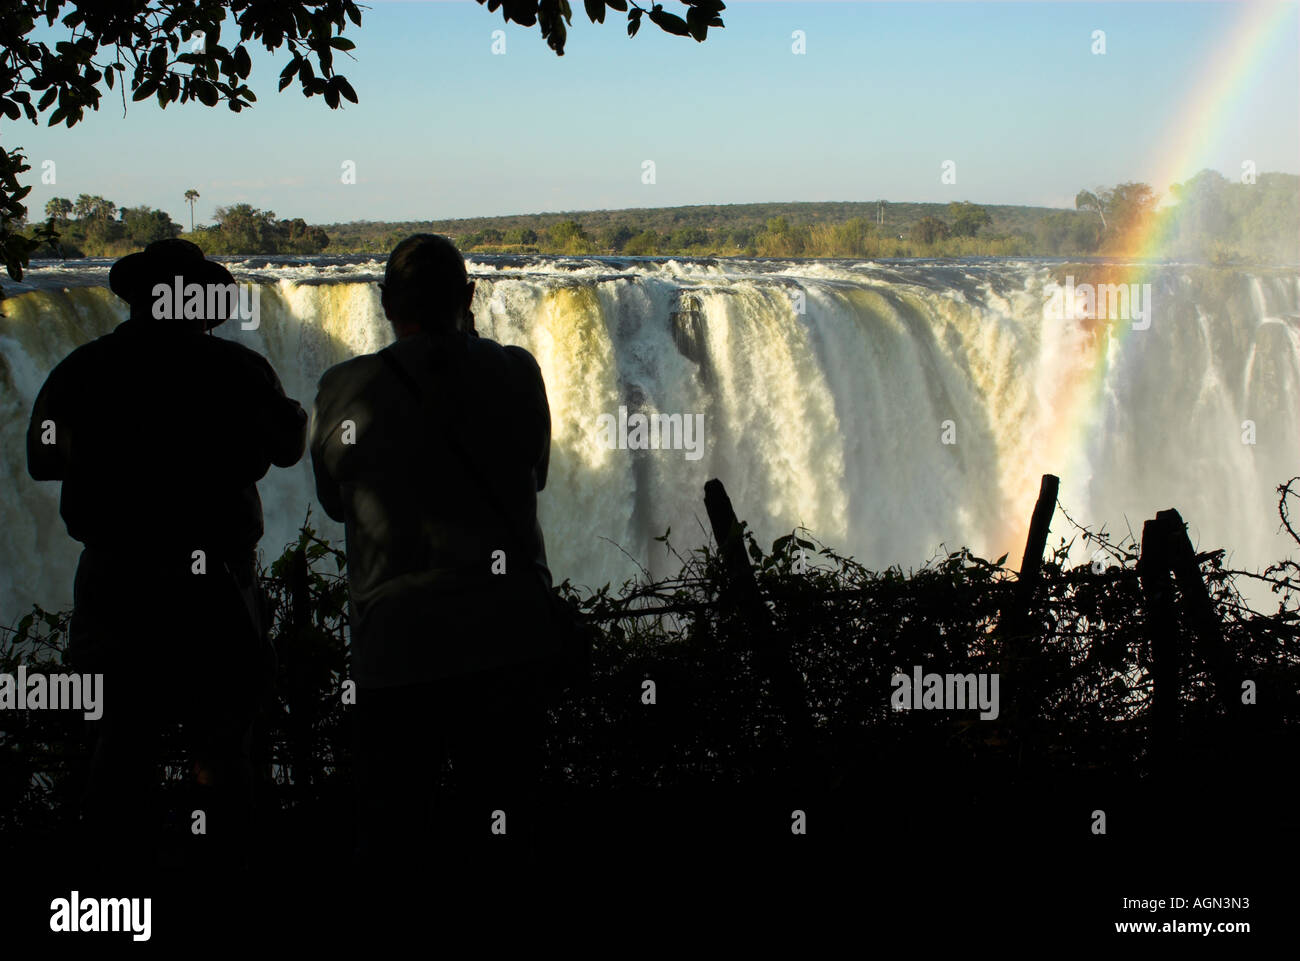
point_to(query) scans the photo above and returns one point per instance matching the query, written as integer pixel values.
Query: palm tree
(191, 195)
(58, 208)
(1096, 202)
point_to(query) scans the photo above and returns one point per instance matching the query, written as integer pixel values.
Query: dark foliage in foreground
(1082, 694)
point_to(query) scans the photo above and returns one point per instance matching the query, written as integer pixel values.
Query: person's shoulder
(521, 355)
(524, 368)
(511, 356)
(90, 355)
(241, 361)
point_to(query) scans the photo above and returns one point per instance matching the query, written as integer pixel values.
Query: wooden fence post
(770, 656)
(1032, 561)
(1015, 625)
(1168, 559)
(1200, 610)
(1162, 635)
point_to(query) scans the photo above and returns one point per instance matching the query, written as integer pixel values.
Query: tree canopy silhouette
(173, 51)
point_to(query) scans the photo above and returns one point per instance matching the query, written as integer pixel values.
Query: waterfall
(892, 409)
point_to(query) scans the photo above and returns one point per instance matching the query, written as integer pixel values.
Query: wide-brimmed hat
(134, 277)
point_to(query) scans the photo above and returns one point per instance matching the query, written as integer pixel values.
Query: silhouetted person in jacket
(432, 452)
(159, 434)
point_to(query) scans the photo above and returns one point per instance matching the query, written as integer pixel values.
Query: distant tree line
(244, 229)
(1210, 219)
(92, 226)
(1221, 220)
(644, 233)
(840, 229)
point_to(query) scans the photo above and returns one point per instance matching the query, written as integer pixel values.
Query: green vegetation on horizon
(92, 227)
(827, 229)
(1211, 220)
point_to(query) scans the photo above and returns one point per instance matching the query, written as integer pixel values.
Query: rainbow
(1194, 131)
(1070, 403)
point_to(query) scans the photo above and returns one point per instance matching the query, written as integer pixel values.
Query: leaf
(243, 62)
(342, 43)
(595, 10)
(670, 22)
(698, 23)
(1000, 561)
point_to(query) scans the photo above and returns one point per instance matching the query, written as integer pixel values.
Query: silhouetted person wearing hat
(159, 434)
(432, 452)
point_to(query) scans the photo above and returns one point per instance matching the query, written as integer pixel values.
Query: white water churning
(889, 408)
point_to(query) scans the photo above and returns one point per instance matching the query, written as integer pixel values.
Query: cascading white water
(890, 409)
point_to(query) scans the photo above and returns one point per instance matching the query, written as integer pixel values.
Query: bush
(1083, 694)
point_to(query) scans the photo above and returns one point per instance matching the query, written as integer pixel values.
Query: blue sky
(884, 94)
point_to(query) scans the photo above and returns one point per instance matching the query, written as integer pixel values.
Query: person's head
(174, 264)
(426, 287)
